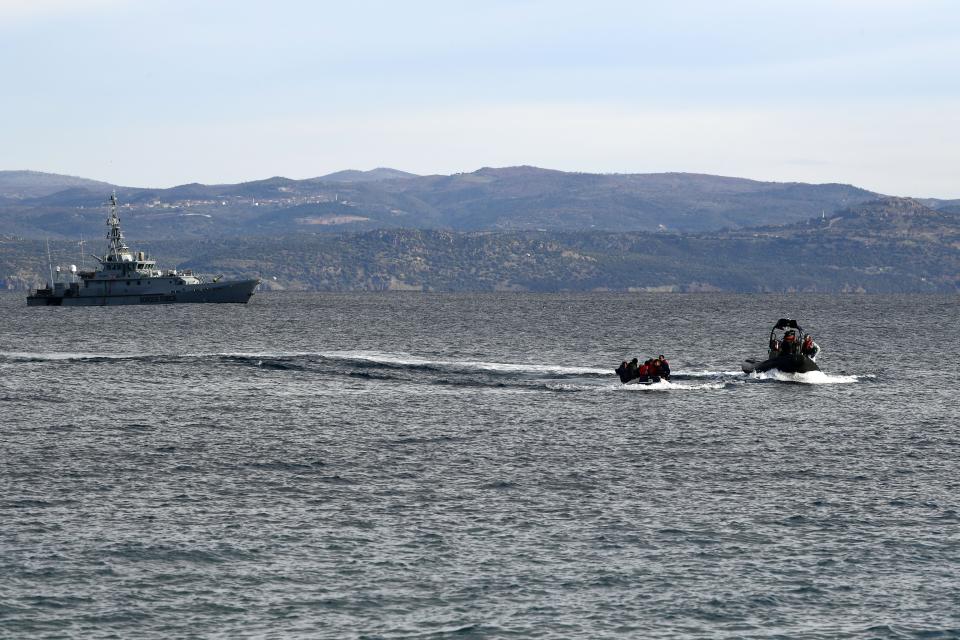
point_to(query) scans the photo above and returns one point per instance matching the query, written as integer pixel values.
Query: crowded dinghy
(652, 371)
(790, 350)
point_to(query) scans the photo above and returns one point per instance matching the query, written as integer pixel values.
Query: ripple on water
(438, 466)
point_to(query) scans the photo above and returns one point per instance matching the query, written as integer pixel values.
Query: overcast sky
(145, 93)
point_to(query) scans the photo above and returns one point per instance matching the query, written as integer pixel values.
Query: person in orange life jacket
(654, 365)
(789, 346)
(810, 348)
(664, 367)
(645, 370)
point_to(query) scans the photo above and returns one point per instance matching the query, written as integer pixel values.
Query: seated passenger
(654, 368)
(664, 367)
(789, 346)
(633, 370)
(622, 371)
(645, 371)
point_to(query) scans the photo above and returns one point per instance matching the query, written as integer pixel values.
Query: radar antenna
(117, 250)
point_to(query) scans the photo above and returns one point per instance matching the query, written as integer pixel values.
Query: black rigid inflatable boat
(784, 352)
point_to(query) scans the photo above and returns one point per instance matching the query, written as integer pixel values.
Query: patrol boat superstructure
(127, 278)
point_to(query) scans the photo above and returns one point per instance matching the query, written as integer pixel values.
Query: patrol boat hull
(238, 292)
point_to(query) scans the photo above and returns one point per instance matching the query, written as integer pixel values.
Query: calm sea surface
(432, 466)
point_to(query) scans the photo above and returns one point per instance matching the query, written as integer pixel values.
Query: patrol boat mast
(117, 249)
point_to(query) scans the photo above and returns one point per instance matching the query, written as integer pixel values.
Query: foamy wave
(663, 385)
(364, 356)
(704, 373)
(466, 366)
(536, 368)
(471, 365)
(631, 388)
(810, 377)
(246, 354)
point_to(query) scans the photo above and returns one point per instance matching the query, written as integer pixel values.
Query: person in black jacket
(622, 371)
(628, 371)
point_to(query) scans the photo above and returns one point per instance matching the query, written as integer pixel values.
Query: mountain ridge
(373, 175)
(25, 183)
(491, 198)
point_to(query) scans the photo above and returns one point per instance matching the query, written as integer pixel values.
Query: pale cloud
(151, 93)
(11, 10)
(875, 147)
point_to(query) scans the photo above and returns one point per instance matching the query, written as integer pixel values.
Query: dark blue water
(409, 465)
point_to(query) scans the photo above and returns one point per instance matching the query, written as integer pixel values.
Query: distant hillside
(533, 198)
(505, 199)
(889, 245)
(17, 185)
(937, 203)
(882, 220)
(374, 175)
(953, 208)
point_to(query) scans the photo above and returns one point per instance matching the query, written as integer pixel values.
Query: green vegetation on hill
(891, 245)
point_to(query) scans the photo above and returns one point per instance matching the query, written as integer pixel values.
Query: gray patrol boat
(127, 278)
